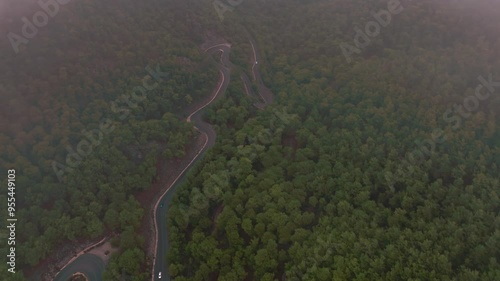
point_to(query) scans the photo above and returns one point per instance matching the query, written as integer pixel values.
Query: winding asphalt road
(92, 266)
(225, 65)
(264, 92)
(159, 262)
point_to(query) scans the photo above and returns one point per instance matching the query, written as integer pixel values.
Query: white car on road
(159, 275)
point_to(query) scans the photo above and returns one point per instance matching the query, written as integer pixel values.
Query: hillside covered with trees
(378, 160)
(378, 168)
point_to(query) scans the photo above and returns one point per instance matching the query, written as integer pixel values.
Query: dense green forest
(378, 165)
(381, 168)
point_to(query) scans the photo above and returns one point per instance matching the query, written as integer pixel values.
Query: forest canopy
(382, 164)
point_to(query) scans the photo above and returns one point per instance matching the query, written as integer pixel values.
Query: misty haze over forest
(249, 140)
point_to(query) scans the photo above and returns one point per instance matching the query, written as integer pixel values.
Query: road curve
(159, 262)
(93, 266)
(160, 221)
(90, 265)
